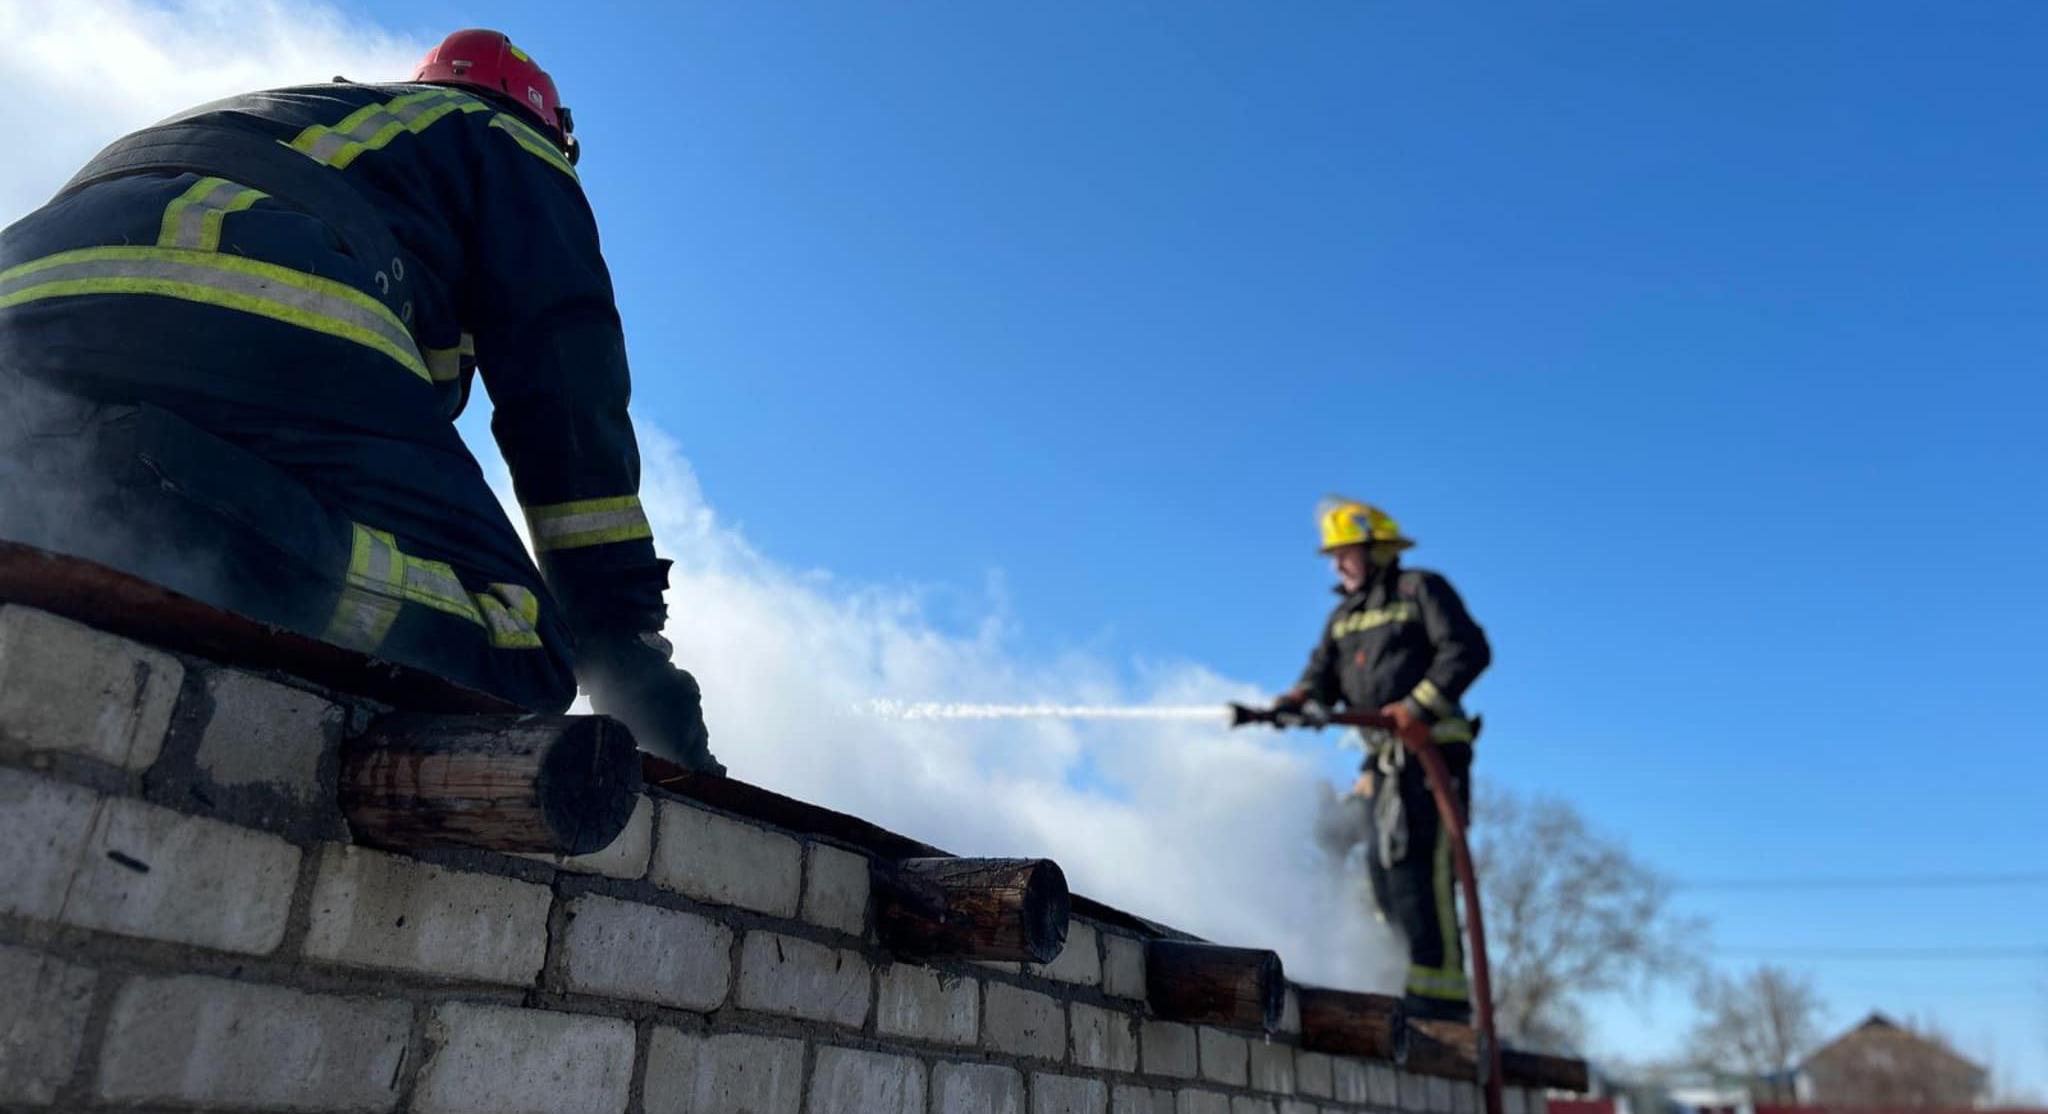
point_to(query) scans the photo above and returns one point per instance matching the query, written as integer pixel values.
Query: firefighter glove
(629, 678)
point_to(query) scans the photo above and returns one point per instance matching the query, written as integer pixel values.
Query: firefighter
(232, 347)
(1400, 643)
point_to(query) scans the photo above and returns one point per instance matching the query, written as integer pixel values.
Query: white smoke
(81, 73)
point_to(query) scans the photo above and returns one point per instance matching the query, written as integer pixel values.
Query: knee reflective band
(374, 126)
(228, 281)
(587, 522)
(382, 578)
(1446, 981)
(193, 220)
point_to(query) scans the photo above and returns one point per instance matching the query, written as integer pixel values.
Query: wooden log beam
(562, 785)
(1451, 1050)
(992, 909)
(1349, 1023)
(1209, 984)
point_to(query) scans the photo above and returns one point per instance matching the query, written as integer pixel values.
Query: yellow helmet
(1350, 522)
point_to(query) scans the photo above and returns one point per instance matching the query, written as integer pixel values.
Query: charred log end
(1191, 981)
(589, 782)
(1534, 1069)
(1048, 906)
(1273, 983)
(1353, 1024)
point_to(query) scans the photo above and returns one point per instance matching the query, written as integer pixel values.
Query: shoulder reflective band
(1433, 698)
(193, 220)
(588, 522)
(373, 126)
(1400, 611)
(536, 143)
(512, 614)
(228, 281)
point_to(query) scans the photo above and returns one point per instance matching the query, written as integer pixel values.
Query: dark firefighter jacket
(1404, 636)
(346, 256)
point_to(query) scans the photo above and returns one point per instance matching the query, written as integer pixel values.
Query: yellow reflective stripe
(512, 615)
(1454, 730)
(587, 522)
(1433, 698)
(535, 143)
(1398, 612)
(1429, 982)
(211, 278)
(193, 219)
(434, 584)
(369, 602)
(445, 364)
(373, 126)
(1448, 980)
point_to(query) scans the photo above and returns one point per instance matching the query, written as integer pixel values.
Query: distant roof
(1879, 1029)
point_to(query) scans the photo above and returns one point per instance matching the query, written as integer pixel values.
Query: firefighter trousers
(148, 491)
(1414, 882)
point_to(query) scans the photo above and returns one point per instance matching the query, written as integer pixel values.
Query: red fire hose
(1453, 819)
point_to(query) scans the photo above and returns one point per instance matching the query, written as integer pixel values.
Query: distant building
(1882, 1063)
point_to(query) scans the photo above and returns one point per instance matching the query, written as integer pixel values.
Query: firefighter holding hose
(1401, 643)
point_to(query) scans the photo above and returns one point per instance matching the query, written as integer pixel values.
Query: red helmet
(487, 60)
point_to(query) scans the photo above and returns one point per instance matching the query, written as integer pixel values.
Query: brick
(43, 1003)
(1080, 962)
(264, 734)
(1272, 1065)
(1348, 1081)
(196, 1040)
(67, 687)
(1298, 1106)
(1439, 1091)
(1514, 1100)
(1225, 1057)
(1290, 1013)
(849, 1081)
(726, 1073)
(621, 949)
(977, 1089)
(1103, 1038)
(1414, 1092)
(505, 1060)
(371, 909)
(1242, 1105)
(1021, 1022)
(919, 1003)
(1312, 1074)
(122, 866)
(836, 890)
(1169, 1049)
(797, 978)
(1123, 966)
(1065, 1094)
(1465, 1098)
(1382, 1085)
(1126, 1099)
(626, 857)
(1539, 1102)
(724, 861)
(1201, 1102)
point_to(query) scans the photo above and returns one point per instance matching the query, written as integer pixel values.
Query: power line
(1871, 882)
(1939, 954)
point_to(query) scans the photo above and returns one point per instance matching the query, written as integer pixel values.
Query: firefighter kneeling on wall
(231, 350)
(1401, 643)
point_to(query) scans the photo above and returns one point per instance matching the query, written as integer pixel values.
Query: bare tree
(1569, 913)
(1757, 1026)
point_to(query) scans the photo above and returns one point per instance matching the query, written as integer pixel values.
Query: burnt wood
(562, 785)
(1211, 984)
(1447, 1049)
(1350, 1023)
(991, 909)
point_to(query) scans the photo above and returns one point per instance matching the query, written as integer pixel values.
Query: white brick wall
(198, 1040)
(918, 1003)
(799, 978)
(371, 909)
(977, 1089)
(1312, 1074)
(1126, 1099)
(43, 1003)
(1123, 966)
(1066, 1094)
(1382, 1085)
(1272, 1065)
(263, 733)
(727, 1073)
(43, 826)
(502, 1060)
(626, 857)
(720, 860)
(621, 949)
(1201, 1102)
(1168, 1049)
(1225, 1057)
(68, 687)
(1240, 1104)
(1080, 962)
(1023, 1023)
(850, 1081)
(836, 889)
(1348, 1081)
(1102, 1038)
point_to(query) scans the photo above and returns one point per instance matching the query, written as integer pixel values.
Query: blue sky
(1698, 344)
